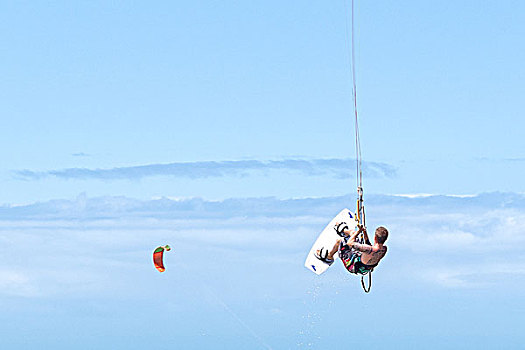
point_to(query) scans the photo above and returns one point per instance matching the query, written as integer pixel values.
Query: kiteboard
(327, 239)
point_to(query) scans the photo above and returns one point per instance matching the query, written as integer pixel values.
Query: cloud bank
(338, 168)
(417, 208)
(446, 241)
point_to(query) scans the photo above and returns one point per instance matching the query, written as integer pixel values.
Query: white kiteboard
(327, 240)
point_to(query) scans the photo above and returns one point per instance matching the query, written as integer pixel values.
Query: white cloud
(16, 283)
(339, 168)
(482, 275)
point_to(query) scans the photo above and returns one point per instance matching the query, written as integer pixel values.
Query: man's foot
(322, 254)
(340, 228)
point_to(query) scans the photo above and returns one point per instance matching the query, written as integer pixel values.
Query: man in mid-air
(357, 258)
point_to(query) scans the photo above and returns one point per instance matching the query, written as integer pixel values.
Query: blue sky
(226, 130)
(108, 85)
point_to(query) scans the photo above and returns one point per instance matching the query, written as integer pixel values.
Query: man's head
(381, 235)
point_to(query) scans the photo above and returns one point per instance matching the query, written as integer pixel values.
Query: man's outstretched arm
(363, 248)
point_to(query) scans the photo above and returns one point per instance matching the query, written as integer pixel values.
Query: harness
(351, 258)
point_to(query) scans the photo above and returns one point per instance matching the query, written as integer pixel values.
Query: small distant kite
(158, 255)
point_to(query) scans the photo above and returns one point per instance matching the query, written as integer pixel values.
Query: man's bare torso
(370, 255)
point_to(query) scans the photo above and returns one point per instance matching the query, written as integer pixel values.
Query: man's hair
(381, 234)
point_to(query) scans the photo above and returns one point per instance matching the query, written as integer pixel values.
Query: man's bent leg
(334, 249)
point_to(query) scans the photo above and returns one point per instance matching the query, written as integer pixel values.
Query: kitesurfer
(357, 257)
